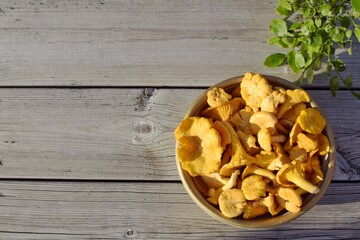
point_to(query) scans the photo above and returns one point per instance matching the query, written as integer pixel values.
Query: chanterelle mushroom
(289, 173)
(217, 97)
(307, 143)
(232, 202)
(239, 157)
(311, 121)
(240, 120)
(289, 117)
(224, 133)
(254, 209)
(291, 199)
(253, 187)
(199, 146)
(225, 111)
(253, 169)
(271, 204)
(248, 141)
(262, 120)
(324, 145)
(264, 139)
(293, 97)
(254, 88)
(271, 102)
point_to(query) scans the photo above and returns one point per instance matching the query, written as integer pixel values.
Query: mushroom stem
(297, 179)
(252, 169)
(232, 181)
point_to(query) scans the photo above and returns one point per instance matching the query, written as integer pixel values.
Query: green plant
(312, 30)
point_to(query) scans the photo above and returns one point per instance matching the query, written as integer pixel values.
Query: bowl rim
(309, 202)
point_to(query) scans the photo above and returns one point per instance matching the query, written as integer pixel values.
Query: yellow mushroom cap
(324, 145)
(232, 202)
(307, 143)
(217, 97)
(261, 120)
(292, 200)
(224, 133)
(199, 146)
(225, 111)
(293, 97)
(311, 121)
(253, 187)
(254, 88)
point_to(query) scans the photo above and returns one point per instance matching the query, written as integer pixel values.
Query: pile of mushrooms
(255, 150)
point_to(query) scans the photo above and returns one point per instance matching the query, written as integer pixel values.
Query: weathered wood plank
(111, 210)
(137, 43)
(123, 134)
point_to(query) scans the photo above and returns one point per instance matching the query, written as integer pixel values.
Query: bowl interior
(327, 164)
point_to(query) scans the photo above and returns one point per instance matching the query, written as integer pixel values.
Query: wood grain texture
(123, 134)
(138, 43)
(95, 210)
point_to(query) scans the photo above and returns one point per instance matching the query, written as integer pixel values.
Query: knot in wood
(143, 131)
(142, 128)
(129, 233)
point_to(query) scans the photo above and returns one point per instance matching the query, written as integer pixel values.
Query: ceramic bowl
(265, 221)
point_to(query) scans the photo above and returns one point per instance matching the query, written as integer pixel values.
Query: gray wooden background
(90, 94)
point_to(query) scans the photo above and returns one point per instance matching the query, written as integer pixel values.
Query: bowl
(265, 221)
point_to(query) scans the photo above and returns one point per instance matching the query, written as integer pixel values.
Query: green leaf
(325, 10)
(356, 5)
(348, 82)
(355, 94)
(305, 40)
(318, 2)
(308, 27)
(299, 60)
(273, 40)
(295, 26)
(285, 4)
(328, 28)
(337, 35)
(278, 27)
(289, 42)
(310, 75)
(350, 48)
(357, 33)
(355, 14)
(274, 60)
(348, 34)
(282, 11)
(334, 85)
(305, 30)
(344, 21)
(283, 43)
(318, 22)
(306, 11)
(316, 40)
(339, 65)
(291, 61)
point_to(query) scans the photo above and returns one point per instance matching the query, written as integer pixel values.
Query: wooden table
(91, 92)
